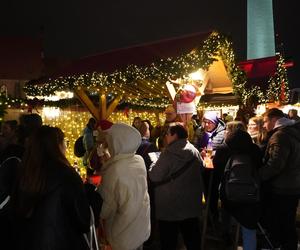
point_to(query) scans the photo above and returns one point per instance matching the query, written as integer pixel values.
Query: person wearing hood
(178, 199)
(280, 176)
(238, 141)
(126, 205)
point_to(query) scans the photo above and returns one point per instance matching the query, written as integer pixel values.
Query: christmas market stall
(148, 76)
(192, 72)
(266, 84)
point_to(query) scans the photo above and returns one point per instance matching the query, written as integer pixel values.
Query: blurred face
(63, 147)
(170, 116)
(208, 125)
(252, 127)
(6, 130)
(226, 133)
(170, 138)
(269, 123)
(292, 113)
(137, 123)
(147, 130)
(102, 151)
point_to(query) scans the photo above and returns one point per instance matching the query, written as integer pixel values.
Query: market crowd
(156, 183)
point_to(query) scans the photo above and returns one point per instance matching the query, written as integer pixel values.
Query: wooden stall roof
(137, 74)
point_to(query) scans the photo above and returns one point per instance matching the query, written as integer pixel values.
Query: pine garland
(154, 76)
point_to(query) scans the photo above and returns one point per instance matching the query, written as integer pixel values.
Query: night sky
(78, 28)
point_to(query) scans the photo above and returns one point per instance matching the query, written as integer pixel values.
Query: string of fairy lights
(142, 89)
(145, 86)
(73, 122)
(8, 102)
(276, 91)
(277, 86)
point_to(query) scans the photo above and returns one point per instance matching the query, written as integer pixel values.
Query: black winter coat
(238, 142)
(281, 172)
(9, 160)
(60, 218)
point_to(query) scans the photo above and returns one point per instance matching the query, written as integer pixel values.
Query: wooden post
(102, 106)
(101, 113)
(86, 101)
(157, 118)
(112, 106)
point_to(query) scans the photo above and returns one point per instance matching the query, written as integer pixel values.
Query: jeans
(249, 238)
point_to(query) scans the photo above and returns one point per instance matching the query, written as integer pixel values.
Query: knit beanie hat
(212, 116)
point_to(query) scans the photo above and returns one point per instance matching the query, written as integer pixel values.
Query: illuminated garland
(278, 84)
(73, 122)
(277, 90)
(151, 93)
(72, 104)
(8, 102)
(3, 106)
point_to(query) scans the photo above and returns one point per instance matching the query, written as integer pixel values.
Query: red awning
(257, 68)
(260, 70)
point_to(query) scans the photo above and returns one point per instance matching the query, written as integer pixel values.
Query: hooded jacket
(180, 198)
(281, 170)
(126, 206)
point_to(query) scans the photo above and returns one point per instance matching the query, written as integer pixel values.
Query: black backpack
(241, 181)
(79, 149)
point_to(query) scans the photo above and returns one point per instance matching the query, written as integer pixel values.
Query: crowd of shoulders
(144, 169)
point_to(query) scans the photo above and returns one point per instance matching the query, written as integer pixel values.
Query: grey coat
(180, 198)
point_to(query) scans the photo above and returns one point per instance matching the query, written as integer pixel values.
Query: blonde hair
(262, 133)
(258, 120)
(234, 126)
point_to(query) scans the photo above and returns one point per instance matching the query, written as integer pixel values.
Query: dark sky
(83, 27)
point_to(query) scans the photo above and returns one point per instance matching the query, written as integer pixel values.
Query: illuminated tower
(260, 29)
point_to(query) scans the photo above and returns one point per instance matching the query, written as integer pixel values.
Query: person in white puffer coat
(126, 206)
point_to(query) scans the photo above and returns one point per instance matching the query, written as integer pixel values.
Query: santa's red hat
(104, 124)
